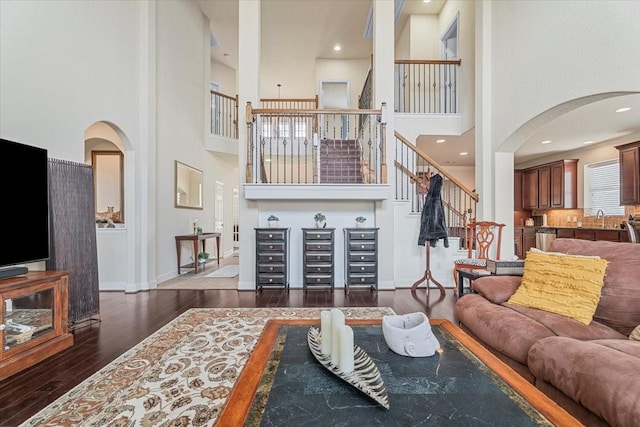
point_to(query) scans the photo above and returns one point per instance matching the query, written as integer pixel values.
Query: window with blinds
(602, 188)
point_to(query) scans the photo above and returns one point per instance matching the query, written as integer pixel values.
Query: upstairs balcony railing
(414, 169)
(421, 86)
(426, 86)
(315, 146)
(224, 115)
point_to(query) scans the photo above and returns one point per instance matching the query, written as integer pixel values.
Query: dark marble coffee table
(283, 384)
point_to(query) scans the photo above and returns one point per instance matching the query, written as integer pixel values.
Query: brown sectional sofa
(593, 370)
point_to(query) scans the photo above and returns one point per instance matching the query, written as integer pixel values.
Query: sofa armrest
(497, 289)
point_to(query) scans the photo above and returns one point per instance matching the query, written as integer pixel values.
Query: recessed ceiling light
(426, 1)
(337, 48)
(547, 141)
(623, 109)
(587, 142)
(464, 153)
(439, 141)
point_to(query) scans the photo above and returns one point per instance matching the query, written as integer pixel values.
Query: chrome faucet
(600, 214)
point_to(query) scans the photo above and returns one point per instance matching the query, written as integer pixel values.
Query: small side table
(471, 274)
(195, 238)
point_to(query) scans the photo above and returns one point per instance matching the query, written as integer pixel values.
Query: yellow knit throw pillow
(568, 285)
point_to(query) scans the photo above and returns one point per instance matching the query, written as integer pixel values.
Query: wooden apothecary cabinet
(33, 319)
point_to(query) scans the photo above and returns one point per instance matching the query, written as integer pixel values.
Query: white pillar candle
(337, 320)
(346, 349)
(325, 332)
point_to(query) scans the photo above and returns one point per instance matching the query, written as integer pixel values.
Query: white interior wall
(352, 70)
(466, 52)
(63, 68)
(600, 47)
(225, 76)
(425, 37)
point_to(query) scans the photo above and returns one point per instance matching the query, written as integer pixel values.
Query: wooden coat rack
(427, 271)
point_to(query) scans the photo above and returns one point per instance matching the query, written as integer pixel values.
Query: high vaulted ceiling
(313, 27)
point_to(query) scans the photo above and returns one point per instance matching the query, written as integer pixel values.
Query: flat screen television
(24, 213)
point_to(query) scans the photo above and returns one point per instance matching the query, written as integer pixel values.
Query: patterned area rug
(182, 375)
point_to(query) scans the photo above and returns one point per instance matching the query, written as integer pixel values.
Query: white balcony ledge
(317, 191)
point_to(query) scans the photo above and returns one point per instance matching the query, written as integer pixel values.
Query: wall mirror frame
(108, 184)
(188, 189)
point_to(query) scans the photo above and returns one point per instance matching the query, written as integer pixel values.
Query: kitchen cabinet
(517, 190)
(551, 186)
(530, 189)
(609, 235)
(525, 239)
(629, 155)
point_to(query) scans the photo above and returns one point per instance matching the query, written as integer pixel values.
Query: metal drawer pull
(362, 279)
(270, 235)
(270, 268)
(319, 257)
(318, 269)
(362, 235)
(318, 247)
(271, 280)
(361, 257)
(270, 246)
(362, 247)
(317, 280)
(361, 268)
(270, 258)
(317, 236)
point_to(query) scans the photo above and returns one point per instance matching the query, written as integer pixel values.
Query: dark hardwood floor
(126, 319)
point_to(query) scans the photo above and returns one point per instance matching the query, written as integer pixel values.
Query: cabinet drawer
(318, 269)
(270, 235)
(585, 234)
(318, 235)
(361, 235)
(362, 279)
(362, 268)
(609, 235)
(318, 246)
(318, 257)
(268, 257)
(317, 279)
(362, 256)
(271, 268)
(567, 233)
(362, 246)
(271, 279)
(271, 246)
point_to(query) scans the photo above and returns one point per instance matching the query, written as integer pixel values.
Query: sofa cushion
(563, 284)
(620, 299)
(565, 326)
(583, 370)
(505, 330)
(496, 289)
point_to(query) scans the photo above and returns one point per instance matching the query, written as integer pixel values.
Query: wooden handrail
(420, 183)
(436, 165)
(428, 61)
(286, 111)
(231, 98)
(290, 100)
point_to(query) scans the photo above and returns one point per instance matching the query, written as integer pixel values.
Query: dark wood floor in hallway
(126, 319)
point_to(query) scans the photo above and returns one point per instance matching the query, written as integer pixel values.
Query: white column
(483, 147)
(383, 91)
(249, 91)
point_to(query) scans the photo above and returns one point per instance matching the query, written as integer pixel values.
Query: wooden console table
(195, 238)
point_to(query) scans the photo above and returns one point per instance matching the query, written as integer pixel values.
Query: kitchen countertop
(564, 227)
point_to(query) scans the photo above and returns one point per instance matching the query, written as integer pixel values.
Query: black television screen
(24, 215)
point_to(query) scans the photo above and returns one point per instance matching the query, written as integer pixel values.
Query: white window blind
(604, 188)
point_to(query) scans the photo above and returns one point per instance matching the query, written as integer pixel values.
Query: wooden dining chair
(485, 237)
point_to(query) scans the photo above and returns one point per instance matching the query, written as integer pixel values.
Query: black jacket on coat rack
(432, 223)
